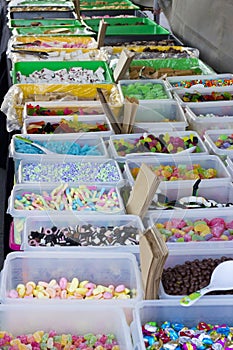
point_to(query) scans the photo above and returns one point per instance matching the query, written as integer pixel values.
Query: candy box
(164, 115)
(61, 141)
(186, 165)
(212, 136)
(53, 192)
(199, 81)
(171, 193)
(132, 139)
(144, 90)
(70, 124)
(209, 116)
(101, 269)
(179, 257)
(46, 14)
(61, 221)
(160, 311)
(63, 319)
(48, 169)
(200, 237)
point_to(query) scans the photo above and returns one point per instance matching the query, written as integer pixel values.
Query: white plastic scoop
(221, 279)
(181, 153)
(45, 150)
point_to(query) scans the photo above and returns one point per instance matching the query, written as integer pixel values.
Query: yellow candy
(98, 290)
(81, 291)
(159, 225)
(21, 290)
(83, 283)
(39, 288)
(52, 283)
(38, 336)
(31, 283)
(63, 339)
(41, 295)
(73, 285)
(203, 228)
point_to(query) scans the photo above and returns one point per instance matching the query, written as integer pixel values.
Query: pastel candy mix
(225, 141)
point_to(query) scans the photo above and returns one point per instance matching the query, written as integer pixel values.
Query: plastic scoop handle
(45, 150)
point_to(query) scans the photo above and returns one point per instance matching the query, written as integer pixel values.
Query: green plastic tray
(44, 23)
(122, 21)
(47, 31)
(26, 68)
(132, 29)
(176, 63)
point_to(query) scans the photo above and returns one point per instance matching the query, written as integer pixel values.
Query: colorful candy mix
(199, 97)
(34, 110)
(204, 82)
(187, 230)
(224, 142)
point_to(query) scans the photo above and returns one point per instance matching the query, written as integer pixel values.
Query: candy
(82, 198)
(205, 82)
(34, 110)
(147, 91)
(180, 172)
(148, 72)
(70, 172)
(73, 75)
(65, 126)
(224, 142)
(199, 97)
(73, 289)
(61, 147)
(196, 230)
(77, 43)
(84, 235)
(172, 335)
(212, 115)
(191, 276)
(165, 42)
(164, 143)
(53, 340)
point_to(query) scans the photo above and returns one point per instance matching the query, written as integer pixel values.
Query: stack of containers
(69, 254)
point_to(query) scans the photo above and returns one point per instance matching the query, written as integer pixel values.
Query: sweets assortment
(205, 82)
(224, 142)
(37, 110)
(53, 340)
(146, 91)
(199, 97)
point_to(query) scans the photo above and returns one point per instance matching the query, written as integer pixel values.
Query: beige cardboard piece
(122, 64)
(101, 33)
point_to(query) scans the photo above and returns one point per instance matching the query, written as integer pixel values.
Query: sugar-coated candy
(71, 289)
(186, 230)
(147, 91)
(53, 340)
(224, 141)
(173, 335)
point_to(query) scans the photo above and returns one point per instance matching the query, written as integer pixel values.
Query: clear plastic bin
(205, 161)
(38, 188)
(63, 319)
(229, 165)
(101, 269)
(175, 82)
(219, 192)
(164, 115)
(193, 215)
(178, 257)
(36, 223)
(132, 137)
(203, 124)
(179, 93)
(211, 136)
(50, 163)
(142, 82)
(74, 107)
(94, 120)
(80, 139)
(214, 312)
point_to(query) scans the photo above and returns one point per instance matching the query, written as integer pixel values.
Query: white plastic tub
(27, 319)
(48, 166)
(45, 221)
(211, 136)
(214, 312)
(101, 269)
(99, 119)
(163, 115)
(131, 138)
(37, 188)
(205, 161)
(224, 110)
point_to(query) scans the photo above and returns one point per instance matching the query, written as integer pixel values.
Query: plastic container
(179, 93)
(52, 31)
(27, 68)
(229, 165)
(104, 269)
(143, 82)
(164, 115)
(63, 319)
(80, 139)
(211, 136)
(205, 161)
(93, 120)
(194, 215)
(178, 257)
(132, 137)
(44, 22)
(223, 110)
(213, 312)
(35, 224)
(46, 14)
(38, 188)
(49, 164)
(60, 108)
(175, 82)
(210, 190)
